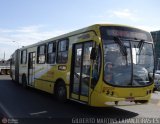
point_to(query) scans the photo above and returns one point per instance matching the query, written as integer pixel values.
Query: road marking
(6, 111)
(36, 113)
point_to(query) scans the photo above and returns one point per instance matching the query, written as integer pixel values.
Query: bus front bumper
(103, 100)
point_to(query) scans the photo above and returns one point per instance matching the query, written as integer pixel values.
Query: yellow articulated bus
(100, 65)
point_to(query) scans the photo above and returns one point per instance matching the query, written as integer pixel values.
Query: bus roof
(89, 28)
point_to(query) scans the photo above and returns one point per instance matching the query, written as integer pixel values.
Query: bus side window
(96, 68)
(62, 56)
(41, 54)
(24, 57)
(51, 53)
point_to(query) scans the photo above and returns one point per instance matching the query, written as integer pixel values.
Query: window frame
(54, 50)
(59, 60)
(22, 57)
(38, 53)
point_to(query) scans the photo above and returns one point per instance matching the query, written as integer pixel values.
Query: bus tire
(8, 72)
(24, 81)
(60, 91)
(3, 72)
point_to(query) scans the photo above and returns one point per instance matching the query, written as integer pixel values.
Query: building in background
(4, 66)
(156, 39)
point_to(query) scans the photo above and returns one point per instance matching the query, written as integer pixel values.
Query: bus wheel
(60, 92)
(8, 72)
(24, 81)
(3, 72)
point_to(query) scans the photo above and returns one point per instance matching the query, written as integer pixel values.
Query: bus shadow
(69, 109)
(100, 112)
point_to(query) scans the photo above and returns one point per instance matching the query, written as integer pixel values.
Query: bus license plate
(129, 99)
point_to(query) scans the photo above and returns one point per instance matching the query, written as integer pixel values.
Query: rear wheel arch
(60, 90)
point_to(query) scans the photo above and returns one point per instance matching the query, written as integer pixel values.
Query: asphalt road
(29, 106)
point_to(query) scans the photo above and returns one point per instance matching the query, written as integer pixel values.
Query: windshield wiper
(123, 49)
(140, 45)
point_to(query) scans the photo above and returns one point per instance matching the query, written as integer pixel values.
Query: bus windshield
(128, 57)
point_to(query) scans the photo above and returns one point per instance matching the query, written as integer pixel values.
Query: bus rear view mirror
(93, 54)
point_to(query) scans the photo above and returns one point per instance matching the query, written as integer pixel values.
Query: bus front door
(31, 68)
(80, 71)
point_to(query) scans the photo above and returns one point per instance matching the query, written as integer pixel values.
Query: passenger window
(62, 51)
(23, 57)
(51, 53)
(41, 55)
(96, 68)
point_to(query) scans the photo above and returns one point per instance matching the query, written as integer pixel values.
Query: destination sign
(127, 34)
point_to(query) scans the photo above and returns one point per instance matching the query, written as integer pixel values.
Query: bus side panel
(17, 65)
(14, 66)
(44, 77)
